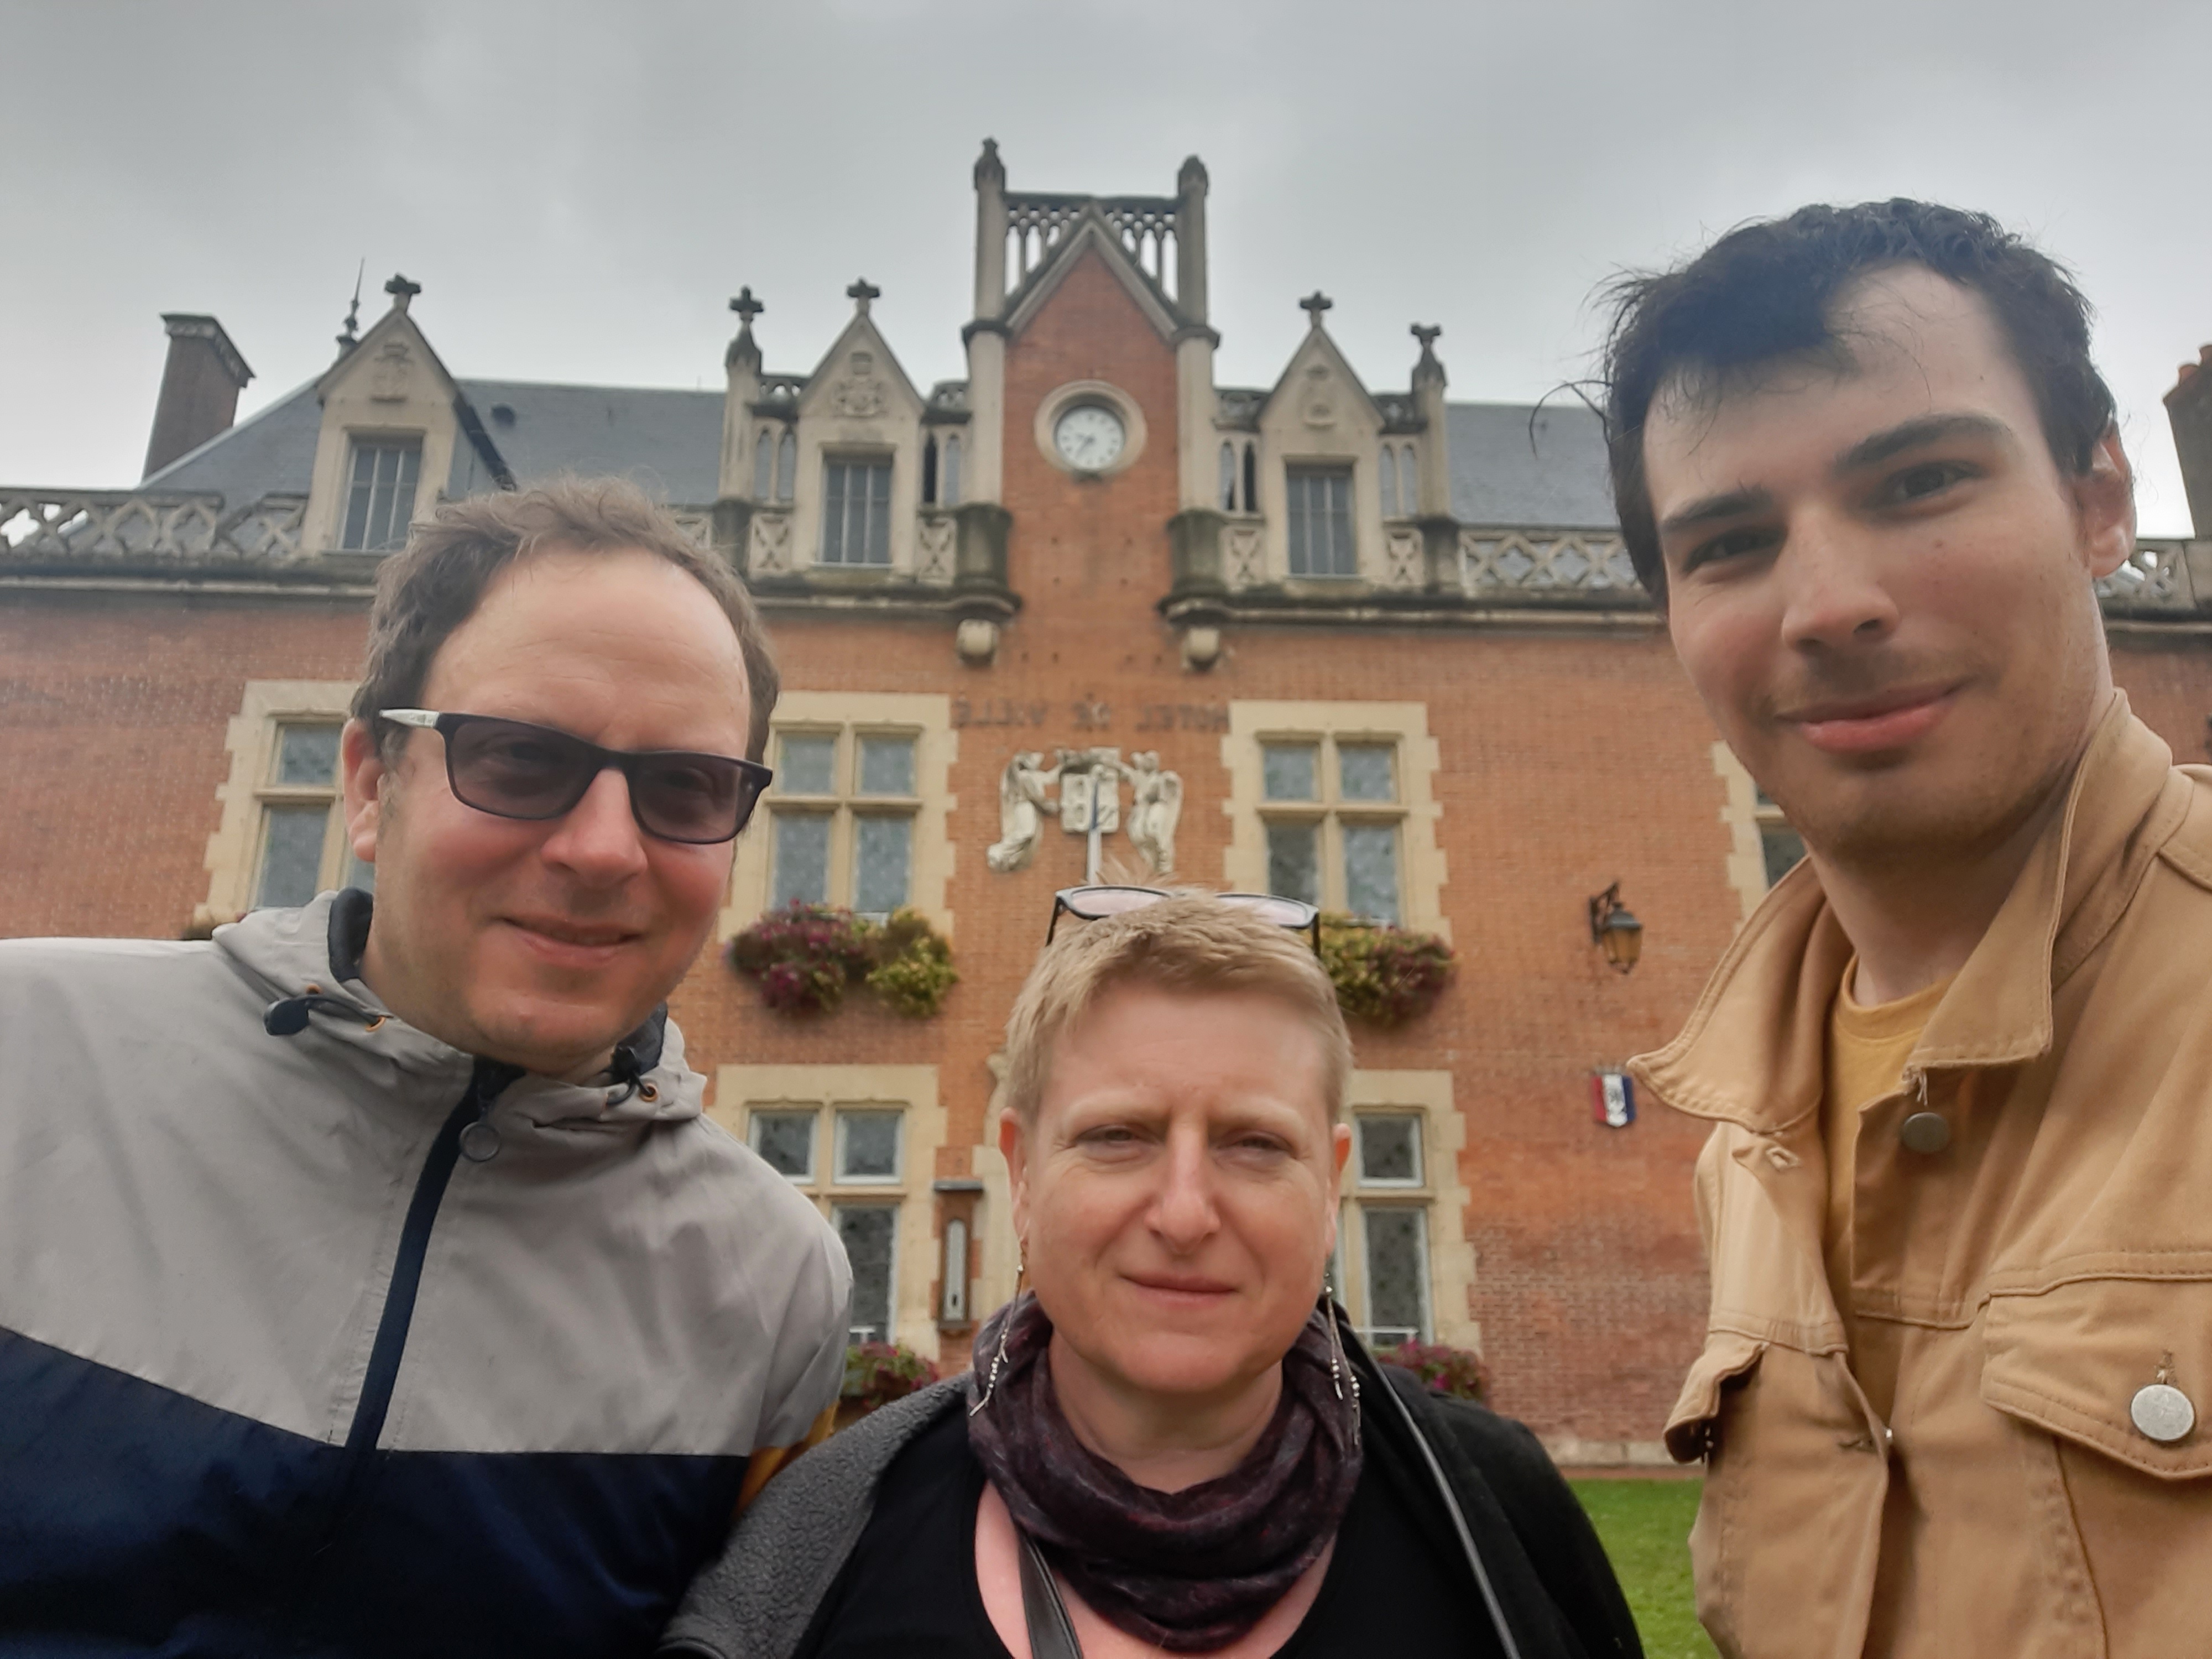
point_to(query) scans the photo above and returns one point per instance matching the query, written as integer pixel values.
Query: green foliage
(805, 956)
(876, 1373)
(913, 967)
(1458, 1372)
(1384, 974)
(1644, 1526)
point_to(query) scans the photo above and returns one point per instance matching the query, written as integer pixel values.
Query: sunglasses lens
(695, 797)
(514, 770)
(1092, 904)
(1284, 913)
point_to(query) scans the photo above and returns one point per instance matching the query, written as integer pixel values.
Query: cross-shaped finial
(1314, 304)
(401, 290)
(1426, 334)
(746, 307)
(860, 293)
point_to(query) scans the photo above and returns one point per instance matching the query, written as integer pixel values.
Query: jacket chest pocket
(2112, 1380)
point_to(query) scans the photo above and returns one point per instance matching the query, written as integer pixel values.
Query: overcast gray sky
(581, 188)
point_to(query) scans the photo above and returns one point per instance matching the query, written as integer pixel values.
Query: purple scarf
(1190, 1571)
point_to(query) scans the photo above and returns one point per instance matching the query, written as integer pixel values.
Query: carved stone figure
(1022, 807)
(1081, 772)
(1155, 805)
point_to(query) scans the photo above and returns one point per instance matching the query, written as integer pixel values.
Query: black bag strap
(1052, 1632)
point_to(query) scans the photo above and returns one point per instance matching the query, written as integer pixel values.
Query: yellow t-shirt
(1867, 1051)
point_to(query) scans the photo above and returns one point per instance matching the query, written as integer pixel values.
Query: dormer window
(380, 500)
(1319, 521)
(856, 510)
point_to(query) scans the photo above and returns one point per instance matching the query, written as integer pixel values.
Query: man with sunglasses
(369, 1280)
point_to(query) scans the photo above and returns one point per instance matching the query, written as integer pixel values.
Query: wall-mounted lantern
(1614, 931)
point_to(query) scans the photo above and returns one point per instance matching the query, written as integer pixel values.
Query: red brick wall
(112, 713)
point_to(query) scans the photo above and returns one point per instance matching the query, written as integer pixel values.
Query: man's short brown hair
(426, 592)
(1190, 943)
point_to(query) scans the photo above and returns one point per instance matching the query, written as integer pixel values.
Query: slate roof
(270, 453)
(670, 443)
(1505, 472)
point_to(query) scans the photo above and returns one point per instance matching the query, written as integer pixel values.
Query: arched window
(1389, 480)
(929, 472)
(764, 464)
(1409, 479)
(787, 465)
(1228, 478)
(1251, 477)
(948, 480)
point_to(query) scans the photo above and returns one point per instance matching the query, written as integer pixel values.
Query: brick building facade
(1387, 645)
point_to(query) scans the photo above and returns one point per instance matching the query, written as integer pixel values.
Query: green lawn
(1645, 1527)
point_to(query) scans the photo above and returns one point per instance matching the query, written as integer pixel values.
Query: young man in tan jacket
(1956, 1393)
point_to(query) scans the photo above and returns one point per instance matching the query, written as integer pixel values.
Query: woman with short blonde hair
(1170, 1443)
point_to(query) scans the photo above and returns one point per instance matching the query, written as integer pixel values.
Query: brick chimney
(2189, 409)
(199, 388)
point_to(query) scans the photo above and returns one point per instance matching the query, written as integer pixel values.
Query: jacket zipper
(488, 1082)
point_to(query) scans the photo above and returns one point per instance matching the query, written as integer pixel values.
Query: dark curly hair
(1768, 290)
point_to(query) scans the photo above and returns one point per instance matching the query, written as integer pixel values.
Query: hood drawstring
(289, 1016)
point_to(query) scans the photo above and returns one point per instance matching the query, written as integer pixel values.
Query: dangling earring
(1006, 1322)
(1339, 1373)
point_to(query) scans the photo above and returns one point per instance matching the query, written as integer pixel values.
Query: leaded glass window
(1319, 521)
(1370, 871)
(844, 806)
(292, 855)
(869, 1233)
(801, 871)
(784, 1141)
(303, 845)
(1288, 771)
(1294, 860)
(883, 853)
(1389, 1149)
(809, 765)
(1397, 1273)
(764, 465)
(1363, 771)
(856, 511)
(787, 465)
(868, 1145)
(380, 498)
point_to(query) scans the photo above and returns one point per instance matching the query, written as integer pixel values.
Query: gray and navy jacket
(342, 1342)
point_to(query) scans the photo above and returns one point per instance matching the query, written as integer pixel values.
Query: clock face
(1089, 437)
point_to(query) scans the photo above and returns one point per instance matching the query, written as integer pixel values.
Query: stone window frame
(1440, 1196)
(741, 1091)
(873, 456)
(1421, 864)
(1332, 468)
(249, 740)
(924, 716)
(1751, 819)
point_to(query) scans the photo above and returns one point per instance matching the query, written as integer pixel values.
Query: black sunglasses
(512, 770)
(1095, 903)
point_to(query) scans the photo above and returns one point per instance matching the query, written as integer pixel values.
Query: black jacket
(1552, 1583)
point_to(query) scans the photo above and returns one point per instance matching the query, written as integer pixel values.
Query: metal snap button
(1925, 1132)
(2162, 1413)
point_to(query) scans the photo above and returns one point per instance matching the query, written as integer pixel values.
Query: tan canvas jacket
(2030, 1277)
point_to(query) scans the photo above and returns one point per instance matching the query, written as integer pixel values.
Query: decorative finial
(1314, 304)
(988, 168)
(1427, 334)
(860, 293)
(401, 291)
(746, 307)
(351, 338)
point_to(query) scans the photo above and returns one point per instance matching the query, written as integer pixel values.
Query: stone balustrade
(100, 528)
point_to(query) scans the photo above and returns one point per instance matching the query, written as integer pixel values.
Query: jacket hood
(1754, 1049)
(308, 960)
